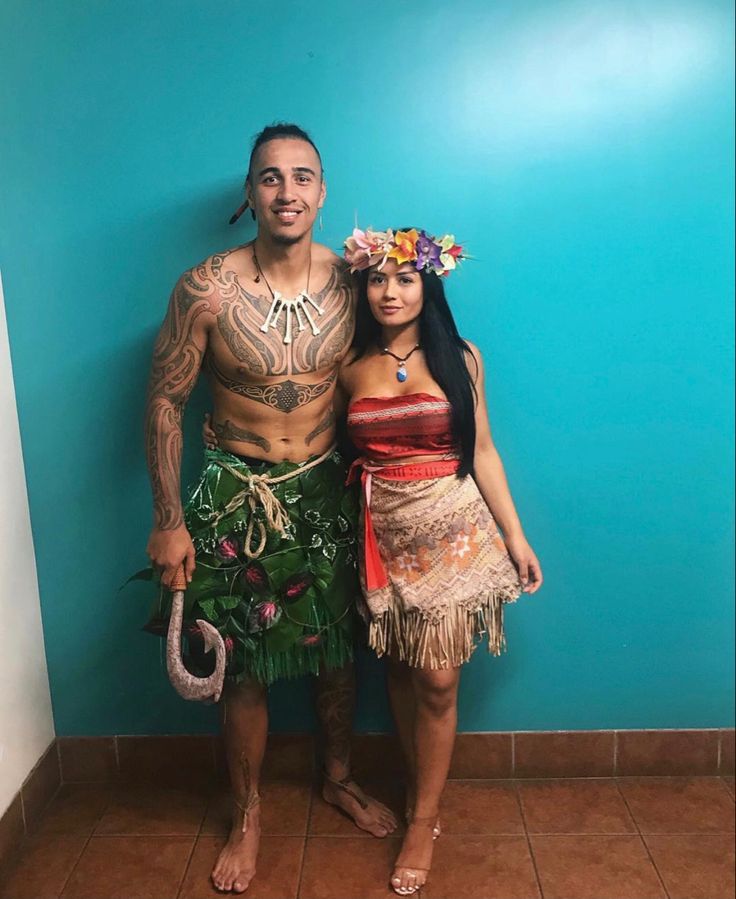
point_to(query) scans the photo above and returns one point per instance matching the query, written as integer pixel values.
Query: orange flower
(406, 567)
(405, 249)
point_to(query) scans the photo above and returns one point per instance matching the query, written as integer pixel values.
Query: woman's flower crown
(434, 254)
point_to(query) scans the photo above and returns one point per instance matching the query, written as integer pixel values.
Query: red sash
(375, 572)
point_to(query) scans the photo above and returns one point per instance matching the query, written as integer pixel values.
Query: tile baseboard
(522, 754)
(23, 813)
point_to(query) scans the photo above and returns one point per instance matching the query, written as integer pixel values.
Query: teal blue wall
(584, 154)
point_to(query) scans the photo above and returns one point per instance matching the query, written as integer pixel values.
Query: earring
(321, 226)
(252, 213)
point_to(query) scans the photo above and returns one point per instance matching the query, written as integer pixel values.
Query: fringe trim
(335, 650)
(421, 643)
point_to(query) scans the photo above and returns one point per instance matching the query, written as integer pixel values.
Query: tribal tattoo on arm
(177, 358)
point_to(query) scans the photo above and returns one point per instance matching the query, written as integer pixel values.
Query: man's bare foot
(236, 864)
(412, 866)
(368, 814)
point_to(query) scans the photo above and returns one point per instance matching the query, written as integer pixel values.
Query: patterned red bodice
(394, 427)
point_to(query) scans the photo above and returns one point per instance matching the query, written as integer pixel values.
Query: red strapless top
(393, 427)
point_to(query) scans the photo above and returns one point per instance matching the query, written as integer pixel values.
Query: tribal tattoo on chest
(284, 396)
(243, 313)
(209, 299)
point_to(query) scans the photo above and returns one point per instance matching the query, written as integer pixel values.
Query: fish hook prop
(188, 685)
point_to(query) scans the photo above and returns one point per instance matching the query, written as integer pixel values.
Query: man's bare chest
(251, 338)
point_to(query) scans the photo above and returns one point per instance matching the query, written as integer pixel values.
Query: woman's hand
(527, 564)
(208, 435)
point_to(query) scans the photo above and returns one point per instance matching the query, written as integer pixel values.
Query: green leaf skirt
(292, 610)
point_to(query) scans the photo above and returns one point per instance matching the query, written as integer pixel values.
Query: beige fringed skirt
(449, 573)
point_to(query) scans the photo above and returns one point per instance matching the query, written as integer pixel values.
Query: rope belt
(258, 492)
(375, 571)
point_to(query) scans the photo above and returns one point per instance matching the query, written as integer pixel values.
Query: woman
(434, 570)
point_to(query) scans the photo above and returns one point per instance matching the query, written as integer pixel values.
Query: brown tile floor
(626, 838)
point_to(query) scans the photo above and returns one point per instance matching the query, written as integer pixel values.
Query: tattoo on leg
(327, 422)
(245, 768)
(335, 706)
(226, 430)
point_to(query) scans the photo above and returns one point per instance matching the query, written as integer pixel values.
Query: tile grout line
(188, 862)
(615, 753)
(86, 844)
(76, 863)
(212, 796)
(719, 754)
(306, 837)
(643, 840)
(301, 867)
(103, 812)
(23, 813)
(21, 792)
(513, 754)
(58, 759)
(520, 802)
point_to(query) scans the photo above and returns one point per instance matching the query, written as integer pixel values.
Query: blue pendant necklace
(401, 372)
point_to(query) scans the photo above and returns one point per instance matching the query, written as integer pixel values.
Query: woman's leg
(435, 725)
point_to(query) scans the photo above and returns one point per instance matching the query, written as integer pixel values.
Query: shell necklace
(401, 373)
(297, 306)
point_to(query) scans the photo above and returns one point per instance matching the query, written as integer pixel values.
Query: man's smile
(287, 215)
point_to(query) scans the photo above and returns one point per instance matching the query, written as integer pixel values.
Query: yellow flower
(405, 249)
(448, 262)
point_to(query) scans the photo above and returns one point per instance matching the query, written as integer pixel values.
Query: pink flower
(357, 257)
(364, 246)
(227, 548)
(296, 586)
(267, 612)
(255, 576)
(311, 640)
(229, 645)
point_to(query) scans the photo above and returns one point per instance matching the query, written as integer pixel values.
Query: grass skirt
(290, 611)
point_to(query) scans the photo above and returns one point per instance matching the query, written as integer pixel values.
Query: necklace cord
(387, 352)
(263, 274)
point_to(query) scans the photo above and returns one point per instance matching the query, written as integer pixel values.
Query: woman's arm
(340, 402)
(344, 388)
(493, 485)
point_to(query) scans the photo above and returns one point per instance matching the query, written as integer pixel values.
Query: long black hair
(444, 351)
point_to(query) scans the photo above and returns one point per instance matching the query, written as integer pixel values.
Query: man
(266, 538)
